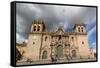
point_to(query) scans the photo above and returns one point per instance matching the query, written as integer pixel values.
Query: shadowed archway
(44, 55)
(59, 51)
(73, 53)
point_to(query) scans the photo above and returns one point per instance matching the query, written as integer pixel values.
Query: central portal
(59, 51)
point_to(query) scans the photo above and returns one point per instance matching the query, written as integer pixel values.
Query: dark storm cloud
(54, 16)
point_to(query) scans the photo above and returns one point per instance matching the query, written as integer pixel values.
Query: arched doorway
(59, 51)
(73, 53)
(44, 55)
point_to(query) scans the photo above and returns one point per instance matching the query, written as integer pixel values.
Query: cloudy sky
(55, 16)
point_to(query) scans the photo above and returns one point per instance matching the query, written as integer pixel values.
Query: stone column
(53, 56)
(67, 51)
(52, 50)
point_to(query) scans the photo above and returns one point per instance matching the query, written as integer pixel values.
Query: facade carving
(58, 45)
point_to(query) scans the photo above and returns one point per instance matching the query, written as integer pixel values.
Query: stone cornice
(54, 33)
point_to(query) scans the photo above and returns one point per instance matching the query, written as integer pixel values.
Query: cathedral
(58, 45)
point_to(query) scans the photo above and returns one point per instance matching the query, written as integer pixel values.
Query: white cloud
(94, 44)
(94, 50)
(54, 16)
(92, 31)
(19, 38)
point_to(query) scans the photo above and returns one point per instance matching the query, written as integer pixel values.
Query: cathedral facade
(57, 45)
(43, 45)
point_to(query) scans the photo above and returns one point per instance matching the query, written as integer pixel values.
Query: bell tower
(38, 26)
(82, 40)
(35, 39)
(80, 28)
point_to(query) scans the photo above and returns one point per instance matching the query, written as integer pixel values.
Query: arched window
(59, 37)
(34, 28)
(79, 29)
(72, 38)
(82, 42)
(33, 43)
(82, 29)
(44, 55)
(38, 28)
(73, 53)
(46, 38)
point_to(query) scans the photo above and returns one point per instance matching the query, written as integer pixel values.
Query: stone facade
(57, 45)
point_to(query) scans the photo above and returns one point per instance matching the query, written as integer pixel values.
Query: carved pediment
(60, 31)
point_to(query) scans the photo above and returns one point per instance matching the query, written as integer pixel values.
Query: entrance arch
(59, 51)
(44, 55)
(73, 53)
